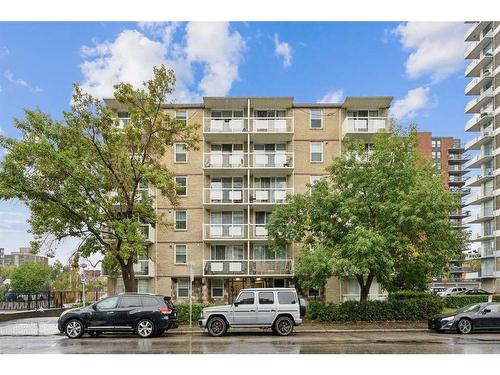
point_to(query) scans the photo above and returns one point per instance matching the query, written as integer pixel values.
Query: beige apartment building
(484, 106)
(254, 151)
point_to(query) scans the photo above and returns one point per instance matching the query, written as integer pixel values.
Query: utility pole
(191, 279)
(84, 281)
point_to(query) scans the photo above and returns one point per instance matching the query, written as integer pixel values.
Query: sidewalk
(48, 327)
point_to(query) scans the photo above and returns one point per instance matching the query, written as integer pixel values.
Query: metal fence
(46, 300)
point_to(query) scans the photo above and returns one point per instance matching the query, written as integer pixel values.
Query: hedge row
(409, 294)
(404, 309)
(456, 302)
(183, 311)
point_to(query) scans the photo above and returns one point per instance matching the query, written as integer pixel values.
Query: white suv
(277, 308)
(454, 291)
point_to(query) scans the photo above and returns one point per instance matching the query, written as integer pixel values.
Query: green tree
(82, 177)
(378, 214)
(30, 277)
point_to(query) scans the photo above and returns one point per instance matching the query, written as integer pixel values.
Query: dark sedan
(475, 317)
(477, 292)
(145, 314)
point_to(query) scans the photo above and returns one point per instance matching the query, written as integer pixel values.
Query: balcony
(479, 198)
(457, 170)
(479, 218)
(269, 195)
(475, 48)
(457, 180)
(248, 267)
(477, 121)
(144, 267)
(458, 158)
(479, 179)
(364, 127)
(476, 84)
(272, 125)
(225, 196)
(149, 232)
(459, 214)
(480, 159)
(274, 161)
(259, 231)
(477, 237)
(475, 67)
(459, 190)
(225, 231)
(477, 142)
(474, 33)
(221, 161)
(475, 105)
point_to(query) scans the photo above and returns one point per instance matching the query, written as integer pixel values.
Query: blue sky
(420, 64)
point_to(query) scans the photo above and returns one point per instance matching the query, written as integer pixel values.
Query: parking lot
(40, 335)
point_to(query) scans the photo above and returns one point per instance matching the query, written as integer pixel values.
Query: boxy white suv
(277, 308)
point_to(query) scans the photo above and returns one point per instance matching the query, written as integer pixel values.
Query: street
(41, 337)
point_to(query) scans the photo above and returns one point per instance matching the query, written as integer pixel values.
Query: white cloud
(283, 50)
(414, 101)
(437, 48)
(132, 55)
(332, 97)
(4, 52)
(20, 82)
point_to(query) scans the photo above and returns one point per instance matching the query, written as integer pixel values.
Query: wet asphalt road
(255, 342)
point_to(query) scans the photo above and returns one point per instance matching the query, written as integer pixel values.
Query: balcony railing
(259, 231)
(225, 231)
(364, 125)
(225, 195)
(269, 195)
(252, 124)
(144, 267)
(149, 232)
(276, 159)
(248, 267)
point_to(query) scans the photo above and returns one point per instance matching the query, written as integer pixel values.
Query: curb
(177, 332)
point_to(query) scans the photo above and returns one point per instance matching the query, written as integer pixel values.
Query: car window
(246, 298)
(149, 301)
(266, 298)
(286, 298)
(470, 308)
(107, 303)
(130, 301)
(495, 307)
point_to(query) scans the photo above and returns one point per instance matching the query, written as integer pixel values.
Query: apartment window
(436, 143)
(180, 153)
(314, 179)
(317, 152)
(227, 252)
(181, 220)
(217, 288)
(316, 119)
(181, 189)
(182, 287)
(313, 293)
(436, 154)
(180, 253)
(181, 115)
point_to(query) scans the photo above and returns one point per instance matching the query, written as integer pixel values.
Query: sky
(420, 64)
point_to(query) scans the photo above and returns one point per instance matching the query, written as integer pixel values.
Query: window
(142, 286)
(149, 301)
(217, 288)
(180, 153)
(313, 180)
(108, 303)
(181, 182)
(316, 119)
(317, 152)
(265, 252)
(279, 283)
(130, 301)
(246, 298)
(313, 293)
(181, 220)
(286, 298)
(266, 298)
(182, 287)
(227, 252)
(180, 254)
(181, 115)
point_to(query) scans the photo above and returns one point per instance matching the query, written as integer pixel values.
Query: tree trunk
(128, 277)
(364, 286)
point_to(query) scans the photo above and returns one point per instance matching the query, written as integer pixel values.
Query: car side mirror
(486, 311)
(235, 304)
(94, 307)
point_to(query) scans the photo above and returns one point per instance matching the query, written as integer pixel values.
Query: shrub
(183, 311)
(393, 309)
(456, 302)
(409, 294)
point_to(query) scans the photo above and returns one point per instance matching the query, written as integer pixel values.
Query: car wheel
(464, 326)
(74, 329)
(145, 328)
(217, 327)
(283, 326)
(95, 334)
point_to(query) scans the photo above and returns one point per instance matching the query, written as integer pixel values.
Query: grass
(448, 310)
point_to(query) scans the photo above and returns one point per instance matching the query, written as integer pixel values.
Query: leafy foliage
(30, 277)
(409, 294)
(456, 302)
(380, 214)
(82, 177)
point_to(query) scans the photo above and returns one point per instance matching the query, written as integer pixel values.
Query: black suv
(145, 314)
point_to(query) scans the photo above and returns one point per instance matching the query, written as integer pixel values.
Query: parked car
(437, 289)
(145, 314)
(277, 308)
(453, 291)
(471, 318)
(477, 292)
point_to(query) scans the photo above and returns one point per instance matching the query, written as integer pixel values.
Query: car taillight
(165, 310)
